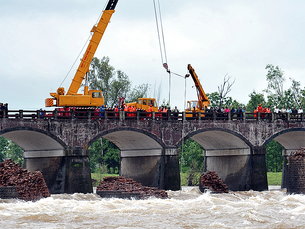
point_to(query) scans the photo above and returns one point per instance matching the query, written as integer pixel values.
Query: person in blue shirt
(102, 110)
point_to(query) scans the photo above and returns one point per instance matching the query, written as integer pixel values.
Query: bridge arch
(217, 138)
(32, 139)
(141, 153)
(290, 139)
(228, 153)
(130, 138)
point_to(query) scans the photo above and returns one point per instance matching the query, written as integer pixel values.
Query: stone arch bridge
(149, 147)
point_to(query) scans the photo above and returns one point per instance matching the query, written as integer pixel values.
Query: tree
(120, 86)
(275, 78)
(14, 152)
(113, 84)
(274, 157)
(100, 76)
(255, 99)
(224, 89)
(192, 160)
(3, 147)
(140, 91)
(104, 153)
(227, 101)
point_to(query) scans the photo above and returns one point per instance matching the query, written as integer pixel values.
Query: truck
(144, 104)
(90, 98)
(195, 106)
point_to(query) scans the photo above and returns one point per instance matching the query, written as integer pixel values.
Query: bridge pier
(154, 167)
(259, 169)
(65, 171)
(286, 153)
(233, 166)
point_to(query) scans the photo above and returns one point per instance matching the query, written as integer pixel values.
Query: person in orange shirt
(125, 109)
(116, 110)
(135, 111)
(129, 110)
(150, 110)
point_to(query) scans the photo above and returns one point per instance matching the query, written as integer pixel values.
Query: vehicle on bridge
(90, 98)
(195, 106)
(144, 104)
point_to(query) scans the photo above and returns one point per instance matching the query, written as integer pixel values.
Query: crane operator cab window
(96, 94)
(144, 102)
(140, 101)
(191, 104)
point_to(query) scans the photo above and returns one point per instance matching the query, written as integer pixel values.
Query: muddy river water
(185, 209)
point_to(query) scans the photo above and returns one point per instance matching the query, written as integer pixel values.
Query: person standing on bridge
(102, 111)
(2, 108)
(300, 112)
(116, 111)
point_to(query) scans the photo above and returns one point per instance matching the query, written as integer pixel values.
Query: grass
(98, 177)
(274, 178)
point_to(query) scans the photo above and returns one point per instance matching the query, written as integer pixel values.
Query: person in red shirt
(150, 110)
(135, 111)
(116, 110)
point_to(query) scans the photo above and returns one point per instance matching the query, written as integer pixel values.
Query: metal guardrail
(142, 115)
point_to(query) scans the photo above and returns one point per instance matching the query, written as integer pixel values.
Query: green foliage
(140, 91)
(3, 147)
(255, 99)
(192, 161)
(112, 83)
(9, 149)
(102, 154)
(274, 158)
(275, 78)
(215, 98)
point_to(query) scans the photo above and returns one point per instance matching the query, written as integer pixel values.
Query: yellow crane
(90, 98)
(195, 106)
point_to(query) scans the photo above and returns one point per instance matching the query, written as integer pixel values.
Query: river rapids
(184, 209)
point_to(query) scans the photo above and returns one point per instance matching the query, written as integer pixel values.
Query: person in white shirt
(276, 111)
(300, 112)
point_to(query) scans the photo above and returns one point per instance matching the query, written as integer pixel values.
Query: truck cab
(144, 104)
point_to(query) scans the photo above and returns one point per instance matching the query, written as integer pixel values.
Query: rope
(161, 24)
(77, 58)
(157, 24)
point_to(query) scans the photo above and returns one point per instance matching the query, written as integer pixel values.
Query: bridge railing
(142, 115)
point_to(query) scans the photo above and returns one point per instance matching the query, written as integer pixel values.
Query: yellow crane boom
(203, 100)
(90, 97)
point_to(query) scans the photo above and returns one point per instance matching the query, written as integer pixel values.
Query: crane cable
(81, 51)
(162, 45)
(165, 65)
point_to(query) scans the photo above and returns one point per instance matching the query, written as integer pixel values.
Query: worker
(260, 109)
(150, 110)
(2, 109)
(116, 110)
(164, 111)
(130, 110)
(134, 110)
(102, 110)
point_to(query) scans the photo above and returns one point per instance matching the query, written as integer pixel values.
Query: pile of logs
(210, 180)
(127, 187)
(30, 187)
(298, 155)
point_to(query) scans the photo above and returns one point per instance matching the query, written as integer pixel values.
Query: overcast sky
(40, 40)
